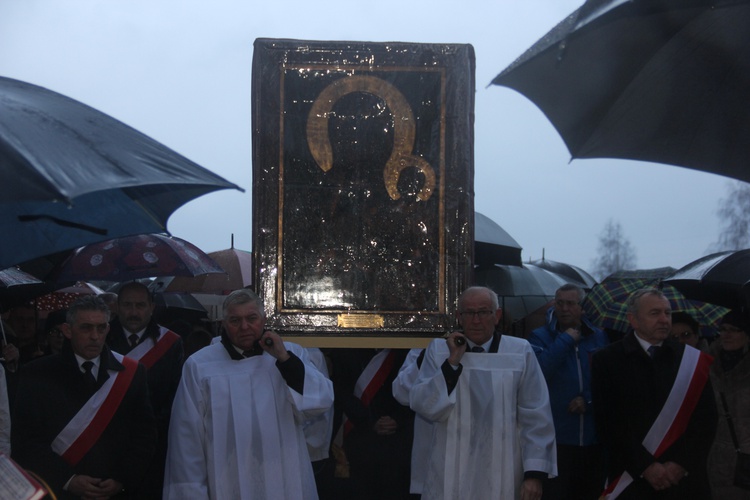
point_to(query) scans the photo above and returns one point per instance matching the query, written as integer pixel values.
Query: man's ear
(66, 330)
(632, 320)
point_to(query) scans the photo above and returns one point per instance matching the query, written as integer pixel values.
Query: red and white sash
(673, 419)
(149, 351)
(370, 382)
(367, 385)
(85, 428)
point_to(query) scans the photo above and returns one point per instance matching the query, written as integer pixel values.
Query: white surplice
(236, 429)
(492, 427)
(319, 430)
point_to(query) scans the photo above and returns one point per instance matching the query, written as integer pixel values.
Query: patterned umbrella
(63, 298)
(136, 257)
(606, 303)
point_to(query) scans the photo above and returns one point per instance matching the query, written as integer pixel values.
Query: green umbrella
(606, 303)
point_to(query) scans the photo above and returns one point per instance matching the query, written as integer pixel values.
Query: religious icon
(369, 215)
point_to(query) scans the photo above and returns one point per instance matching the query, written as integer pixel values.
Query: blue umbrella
(71, 175)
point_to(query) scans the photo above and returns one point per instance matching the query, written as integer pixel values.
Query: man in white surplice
(237, 420)
(493, 433)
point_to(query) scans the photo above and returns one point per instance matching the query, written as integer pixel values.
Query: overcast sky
(180, 71)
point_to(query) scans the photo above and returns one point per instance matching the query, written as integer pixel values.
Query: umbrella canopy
(178, 300)
(567, 270)
(13, 277)
(71, 175)
(492, 244)
(721, 278)
(17, 287)
(521, 290)
(237, 265)
(606, 303)
(662, 81)
(64, 297)
(136, 257)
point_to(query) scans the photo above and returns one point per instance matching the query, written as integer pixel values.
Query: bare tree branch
(615, 251)
(734, 217)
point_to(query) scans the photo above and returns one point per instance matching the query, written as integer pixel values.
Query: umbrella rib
(64, 223)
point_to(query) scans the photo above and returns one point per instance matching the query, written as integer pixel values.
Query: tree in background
(734, 217)
(615, 252)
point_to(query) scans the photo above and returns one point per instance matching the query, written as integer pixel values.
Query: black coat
(163, 376)
(629, 390)
(163, 379)
(51, 390)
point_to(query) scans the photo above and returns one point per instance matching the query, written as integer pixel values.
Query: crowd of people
(105, 402)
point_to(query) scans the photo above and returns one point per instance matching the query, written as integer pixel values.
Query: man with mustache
(136, 335)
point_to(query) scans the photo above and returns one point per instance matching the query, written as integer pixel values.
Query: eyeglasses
(56, 332)
(475, 314)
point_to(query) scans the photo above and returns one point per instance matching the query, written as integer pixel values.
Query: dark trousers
(581, 473)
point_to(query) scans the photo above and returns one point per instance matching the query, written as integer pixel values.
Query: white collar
(96, 361)
(645, 344)
(129, 333)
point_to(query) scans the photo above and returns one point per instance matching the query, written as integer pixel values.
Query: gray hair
(484, 289)
(242, 296)
(635, 298)
(570, 287)
(86, 303)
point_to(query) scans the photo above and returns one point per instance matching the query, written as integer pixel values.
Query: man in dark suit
(136, 335)
(653, 407)
(82, 420)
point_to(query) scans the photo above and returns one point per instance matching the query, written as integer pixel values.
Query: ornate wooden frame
(362, 185)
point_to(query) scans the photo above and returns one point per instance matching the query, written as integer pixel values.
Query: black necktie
(477, 348)
(133, 339)
(652, 350)
(89, 375)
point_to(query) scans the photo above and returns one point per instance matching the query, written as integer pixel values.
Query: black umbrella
(178, 300)
(656, 80)
(567, 270)
(18, 287)
(14, 277)
(521, 289)
(721, 278)
(492, 244)
(71, 175)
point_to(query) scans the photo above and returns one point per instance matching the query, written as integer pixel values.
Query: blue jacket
(567, 369)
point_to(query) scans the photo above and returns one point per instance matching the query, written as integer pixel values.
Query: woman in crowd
(730, 377)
